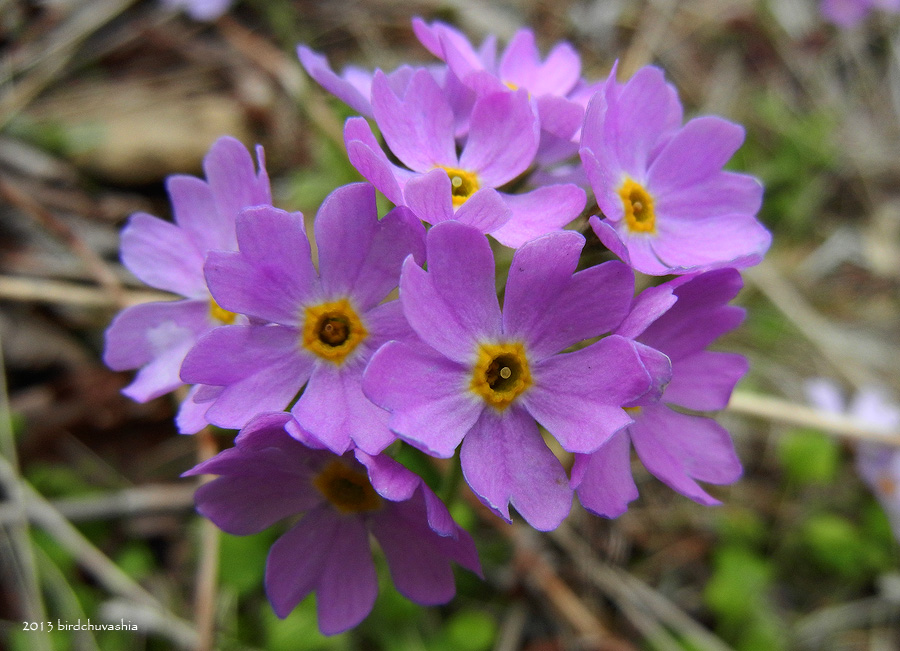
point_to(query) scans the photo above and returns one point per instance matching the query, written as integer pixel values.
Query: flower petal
(348, 585)
(334, 410)
(419, 127)
(426, 393)
(503, 138)
(419, 567)
(369, 159)
(505, 461)
(256, 489)
(697, 151)
(233, 179)
(360, 255)
(579, 396)
(142, 332)
(538, 212)
(195, 211)
(641, 114)
(679, 449)
(191, 416)
(430, 197)
(647, 307)
(272, 275)
(259, 366)
(603, 479)
(163, 256)
(454, 305)
(704, 381)
(316, 66)
(487, 210)
(550, 308)
(727, 241)
(723, 193)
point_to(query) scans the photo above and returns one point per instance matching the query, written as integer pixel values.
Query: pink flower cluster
(325, 373)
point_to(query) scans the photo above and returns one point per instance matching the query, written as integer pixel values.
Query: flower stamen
(220, 314)
(332, 330)
(638, 206)
(348, 491)
(501, 373)
(463, 184)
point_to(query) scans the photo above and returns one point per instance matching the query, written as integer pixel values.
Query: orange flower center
(332, 330)
(501, 373)
(348, 490)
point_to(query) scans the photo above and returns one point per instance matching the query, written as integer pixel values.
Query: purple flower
(680, 318)
(354, 85)
(156, 336)
(549, 83)
(203, 10)
(847, 13)
(486, 379)
(317, 330)
(419, 128)
(669, 206)
(268, 476)
(877, 463)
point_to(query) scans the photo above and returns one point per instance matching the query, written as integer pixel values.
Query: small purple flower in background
(419, 128)
(354, 85)
(680, 318)
(155, 337)
(269, 476)
(486, 379)
(878, 464)
(847, 13)
(669, 206)
(317, 330)
(202, 10)
(549, 83)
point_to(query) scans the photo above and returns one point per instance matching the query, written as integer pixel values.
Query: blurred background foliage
(100, 100)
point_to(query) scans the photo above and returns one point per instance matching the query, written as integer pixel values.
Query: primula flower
(847, 13)
(202, 10)
(680, 318)
(156, 336)
(354, 85)
(486, 379)
(669, 206)
(501, 143)
(268, 476)
(549, 83)
(877, 463)
(317, 330)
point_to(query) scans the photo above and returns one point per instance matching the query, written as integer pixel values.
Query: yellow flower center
(463, 184)
(220, 314)
(501, 374)
(348, 490)
(510, 85)
(638, 204)
(634, 412)
(332, 330)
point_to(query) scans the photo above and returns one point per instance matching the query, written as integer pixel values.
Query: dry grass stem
(208, 567)
(636, 599)
(93, 262)
(26, 289)
(784, 411)
(850, 355)
(24, 567)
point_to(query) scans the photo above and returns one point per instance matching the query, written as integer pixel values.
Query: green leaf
(242, 560)
(809, 457)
